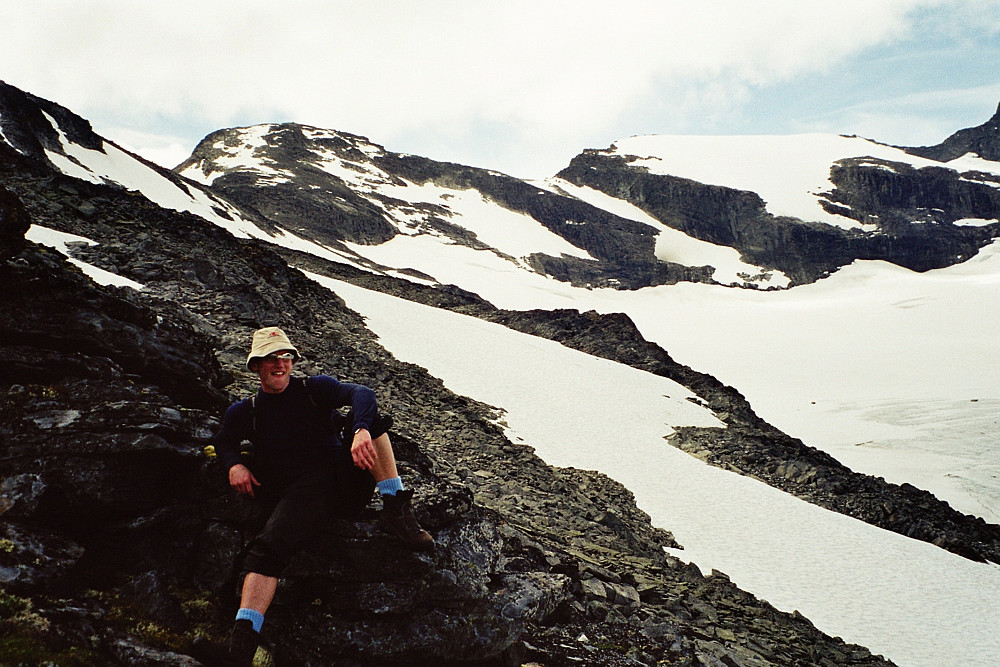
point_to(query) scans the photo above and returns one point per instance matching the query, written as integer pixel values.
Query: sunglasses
(284, 356)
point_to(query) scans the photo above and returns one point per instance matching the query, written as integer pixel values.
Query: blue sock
(251, 615)
(389, 487)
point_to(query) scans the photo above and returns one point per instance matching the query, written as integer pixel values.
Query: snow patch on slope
(449, 263)
(974, 222)
(116, 166)
(60, 242)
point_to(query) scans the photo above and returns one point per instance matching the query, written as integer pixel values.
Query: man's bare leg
(258, 591)
(385, 461)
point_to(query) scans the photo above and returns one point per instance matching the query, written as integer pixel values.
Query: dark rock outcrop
(24, 124)
(14, 224)
(912, 209)
(110, 397)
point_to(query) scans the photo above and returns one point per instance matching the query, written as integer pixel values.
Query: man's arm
(364, 407)
(339, 394)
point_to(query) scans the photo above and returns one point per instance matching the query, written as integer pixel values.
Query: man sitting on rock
(304, 471)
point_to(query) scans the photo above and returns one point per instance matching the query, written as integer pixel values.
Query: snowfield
(895, 373)
(910, 601)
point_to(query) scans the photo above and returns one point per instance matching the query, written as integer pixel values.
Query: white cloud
(542, 75)
(164, 150)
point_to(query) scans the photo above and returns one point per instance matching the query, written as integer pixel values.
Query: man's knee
(382, 442)
(380, 426)
(265, 559)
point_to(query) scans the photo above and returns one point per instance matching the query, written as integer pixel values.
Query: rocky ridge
(119, 532)
(335, 187)
(982, 140)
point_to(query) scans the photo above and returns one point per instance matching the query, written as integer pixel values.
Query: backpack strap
(309, 391)
(253, 415)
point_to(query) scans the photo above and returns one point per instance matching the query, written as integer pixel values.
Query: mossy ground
(25, 640)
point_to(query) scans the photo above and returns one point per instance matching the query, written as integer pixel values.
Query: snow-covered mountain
(758, 211)
(371, 205)
(891, 370)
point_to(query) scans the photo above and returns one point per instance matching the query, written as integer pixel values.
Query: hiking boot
(237, 652)
(209, 653)
(397, 516)
(242, 644)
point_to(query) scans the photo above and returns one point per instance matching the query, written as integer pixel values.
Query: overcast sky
(520, 87)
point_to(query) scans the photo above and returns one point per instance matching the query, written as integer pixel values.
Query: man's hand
(362, 450)
(242, 480)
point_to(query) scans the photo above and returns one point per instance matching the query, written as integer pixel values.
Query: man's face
(275, 371)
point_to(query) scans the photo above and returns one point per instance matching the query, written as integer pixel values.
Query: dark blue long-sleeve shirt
(291, 433)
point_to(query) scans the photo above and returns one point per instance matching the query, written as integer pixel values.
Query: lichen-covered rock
(35, 559)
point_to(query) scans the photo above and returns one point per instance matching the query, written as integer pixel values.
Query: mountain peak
(982, 140)
(38, 128)
(256, 148)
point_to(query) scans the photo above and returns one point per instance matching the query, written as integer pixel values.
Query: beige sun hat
(268, 340)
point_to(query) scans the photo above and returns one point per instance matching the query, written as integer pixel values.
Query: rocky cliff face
(912, 211)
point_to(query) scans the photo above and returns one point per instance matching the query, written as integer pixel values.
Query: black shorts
(305, 506)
